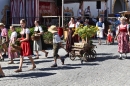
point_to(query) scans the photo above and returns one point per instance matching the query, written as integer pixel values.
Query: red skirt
(25, 48)
(109, 38)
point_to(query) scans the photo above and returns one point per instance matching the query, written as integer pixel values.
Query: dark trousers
(56, 47)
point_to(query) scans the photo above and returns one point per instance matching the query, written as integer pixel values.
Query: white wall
(92, 5)
(2, 4)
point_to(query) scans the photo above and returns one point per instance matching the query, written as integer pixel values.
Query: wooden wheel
(72, 56)
(85, 56)
(94, 54)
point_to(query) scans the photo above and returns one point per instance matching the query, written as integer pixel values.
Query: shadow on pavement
(13, 67)
(103, 58)
(37, 62)
(84, 64)
(33, 75)
(59, 68)
(104, 53)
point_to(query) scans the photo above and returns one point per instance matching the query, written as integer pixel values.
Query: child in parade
(13, 38)
(109, 37)
(56, 45)
(4, 37)
(25, 46)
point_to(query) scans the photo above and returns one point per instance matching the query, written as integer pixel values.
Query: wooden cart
(83, 51)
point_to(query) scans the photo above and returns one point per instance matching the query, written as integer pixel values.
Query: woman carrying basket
(25, 46)
(4, 37)
(39, 45)
(13, 38)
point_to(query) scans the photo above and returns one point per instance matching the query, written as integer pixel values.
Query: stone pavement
(106, 70)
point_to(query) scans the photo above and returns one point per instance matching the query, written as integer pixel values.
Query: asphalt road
(106, 70)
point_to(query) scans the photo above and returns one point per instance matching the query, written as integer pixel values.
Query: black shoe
(120, 58)
(4, 55)
(54, 65)
(81, 61)
(62, 60)
(2, 59)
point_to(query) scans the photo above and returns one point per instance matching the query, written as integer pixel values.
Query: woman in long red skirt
(123, 37)
(25, 46)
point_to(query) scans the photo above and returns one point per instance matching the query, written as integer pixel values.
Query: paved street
(106, 70)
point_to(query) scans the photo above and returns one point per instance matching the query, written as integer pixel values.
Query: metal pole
(62, 13)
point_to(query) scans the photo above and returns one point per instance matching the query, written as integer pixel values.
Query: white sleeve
(128, 27)
(103, 26)
(34, 28)
(27, 31)
(97, 24)
(15, 34)
(40, 29)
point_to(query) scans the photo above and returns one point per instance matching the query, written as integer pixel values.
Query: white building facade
(113, 6)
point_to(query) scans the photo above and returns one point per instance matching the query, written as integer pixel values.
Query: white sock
(120, 55)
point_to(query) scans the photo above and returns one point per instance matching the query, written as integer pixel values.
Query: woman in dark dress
(39, 45)
(25, 46)
(69, 41)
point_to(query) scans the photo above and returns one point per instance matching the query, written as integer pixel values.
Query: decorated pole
(62, 13)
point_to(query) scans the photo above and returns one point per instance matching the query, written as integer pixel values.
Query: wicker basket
(35, 38)
(4, 46)
(15, 48)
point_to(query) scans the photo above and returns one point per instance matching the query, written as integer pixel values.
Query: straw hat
(123, 18)
(52, 29)
(1, 24)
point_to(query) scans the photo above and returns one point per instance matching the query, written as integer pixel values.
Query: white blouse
(26, 31)
(38, 28)
(13, 34)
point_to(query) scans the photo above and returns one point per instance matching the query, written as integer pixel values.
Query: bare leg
(46, 53)
(37, 56)
(1, 72)
(20, 65)
(34, 66)
(12, 61)
(99, 40)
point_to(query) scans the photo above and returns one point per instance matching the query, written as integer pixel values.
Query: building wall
(5, 5)
(93, 9)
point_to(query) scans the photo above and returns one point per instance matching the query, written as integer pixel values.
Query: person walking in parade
(13, 38)
(101, 27)
(122, 37)
(56, 45)
(25, 46)
(4, 37)
(39, 45)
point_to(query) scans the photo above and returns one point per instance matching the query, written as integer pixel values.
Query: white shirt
(26, 31)
(56, 38)
(38, 28)
(79, 13)
(13, 34)
(77, 24)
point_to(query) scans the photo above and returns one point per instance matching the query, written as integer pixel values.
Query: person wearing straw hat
(4, 36)
(123, 37)
(56, 45)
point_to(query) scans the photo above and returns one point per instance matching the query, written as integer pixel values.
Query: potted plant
(86, 32)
